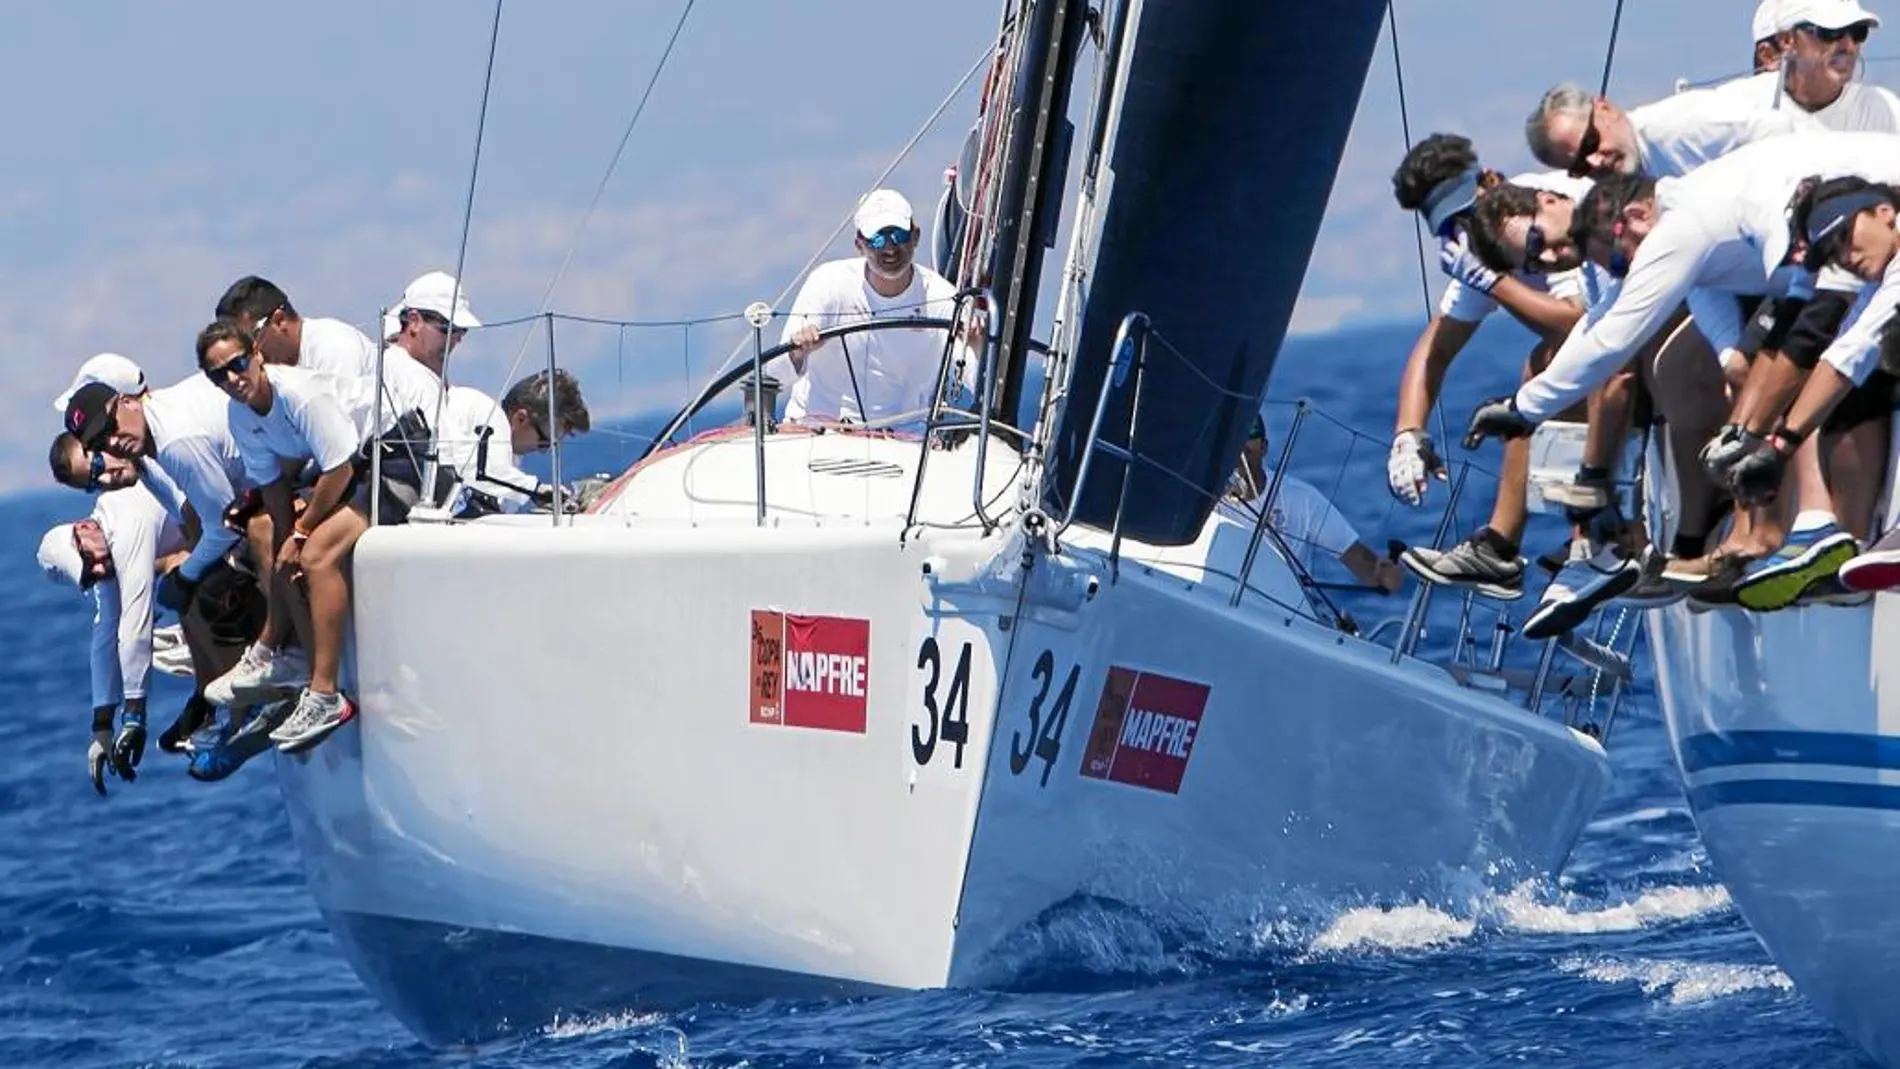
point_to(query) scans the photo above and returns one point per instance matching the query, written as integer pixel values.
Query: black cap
(89, 413)
(1259, 429)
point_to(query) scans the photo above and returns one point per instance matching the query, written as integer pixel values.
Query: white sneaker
(312, 721)
(259, 675)
(1576, 591)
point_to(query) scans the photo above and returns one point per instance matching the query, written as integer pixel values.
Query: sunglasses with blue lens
(890, 235)
(98, 472)
(237, 365)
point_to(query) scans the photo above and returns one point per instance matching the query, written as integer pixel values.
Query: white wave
(1520, 912)
(1681, 982)
(1414, 927)
(576, 1027)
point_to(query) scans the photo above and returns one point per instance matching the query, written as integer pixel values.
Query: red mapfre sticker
(1144, 730)
(810, 671)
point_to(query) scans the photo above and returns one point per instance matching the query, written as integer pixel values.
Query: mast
(1029, 203)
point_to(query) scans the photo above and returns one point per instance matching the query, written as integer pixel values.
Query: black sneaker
(1470, 564)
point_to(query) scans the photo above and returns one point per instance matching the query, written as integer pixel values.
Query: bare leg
(1855, 469)
(276, 627)
(1686, 380)
(326, 560)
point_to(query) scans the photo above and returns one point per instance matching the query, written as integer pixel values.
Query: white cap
(1827, 14)
(112, 369)
(884, 207)
(1767, 21)
(59, 556)
(432, 293)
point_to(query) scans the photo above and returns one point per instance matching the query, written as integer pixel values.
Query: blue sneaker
(224, 749)
(1777, 580)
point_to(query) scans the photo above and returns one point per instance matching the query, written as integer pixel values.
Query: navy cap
(89, 413)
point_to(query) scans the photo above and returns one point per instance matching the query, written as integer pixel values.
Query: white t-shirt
(1303, 516)
(1467, 305)
(138, 531)
(306, 422)
(192, 444)
(347, 359)
(466, 412)
(895, 370)
(1677, 134)
(1712, 232)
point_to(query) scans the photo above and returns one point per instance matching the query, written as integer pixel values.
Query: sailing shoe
(263, 720)
(1829, 590)
(1471, 564)
(1775, 581)
(260, 675)
(1576, 592)
(170, 655)
(1876, 569)
(203, 745)
(312, 721)
(1650, 592)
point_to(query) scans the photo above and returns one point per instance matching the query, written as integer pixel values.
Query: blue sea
(168, 925)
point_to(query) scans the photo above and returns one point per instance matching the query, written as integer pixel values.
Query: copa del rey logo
(810, 671)
(1145, 727)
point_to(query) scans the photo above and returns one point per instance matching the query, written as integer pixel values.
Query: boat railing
(1580, 677)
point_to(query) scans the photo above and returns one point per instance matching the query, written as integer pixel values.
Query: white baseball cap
(59, 556)
(1767, 21)
(112, 369)
(433, 292)
(1827, 14)
(882, 208)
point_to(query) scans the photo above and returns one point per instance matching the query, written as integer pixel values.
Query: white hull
(1786, 728)
(564, 793)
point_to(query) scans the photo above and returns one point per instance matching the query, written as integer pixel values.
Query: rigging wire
(1609, 60)
(1418, 235)
(983, 58)
(601, 189)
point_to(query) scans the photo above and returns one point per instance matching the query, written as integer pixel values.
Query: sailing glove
(128, 747)
(98, 757)
(1756, 478)
(1410, 466)
(1499, 418)
(1456, 259)
(1722, 451)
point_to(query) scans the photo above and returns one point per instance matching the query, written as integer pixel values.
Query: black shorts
(231, 603)
(1869, 401)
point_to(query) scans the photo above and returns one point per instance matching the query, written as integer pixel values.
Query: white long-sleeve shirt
(1711, 234)
(138, 531)
(192, 444)
(892, 371)
(1679, 133)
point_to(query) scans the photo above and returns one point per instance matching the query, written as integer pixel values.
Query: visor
(1830, 224)
(1448, 198)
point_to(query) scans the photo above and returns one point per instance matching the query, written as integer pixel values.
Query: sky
(160, 151)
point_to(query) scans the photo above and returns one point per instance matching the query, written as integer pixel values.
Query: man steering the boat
(1440, 178)
(1665, 239)
(879, 375)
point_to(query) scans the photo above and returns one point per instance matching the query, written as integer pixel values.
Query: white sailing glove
(1456, 259)
(1411, 464)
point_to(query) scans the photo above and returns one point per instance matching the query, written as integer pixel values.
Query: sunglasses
(890, 235)
(98, 471)
(231, 368)
(1587, 146)
(1858, 31)
(1534, 248)
(441, 322)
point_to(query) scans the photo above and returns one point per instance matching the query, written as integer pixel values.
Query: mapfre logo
(1145, 728)
(810, 671)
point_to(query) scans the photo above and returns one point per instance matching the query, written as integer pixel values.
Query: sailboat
(810, 711)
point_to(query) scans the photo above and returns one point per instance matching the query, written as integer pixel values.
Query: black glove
(1756, 478)
(1497, 417)
(128, 748)
(175, 591)
(1722, 451)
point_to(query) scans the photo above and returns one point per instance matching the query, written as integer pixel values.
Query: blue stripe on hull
(1794, 792)
(1710, 750)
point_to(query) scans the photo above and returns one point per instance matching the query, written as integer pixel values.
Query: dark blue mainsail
(1231, 125)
